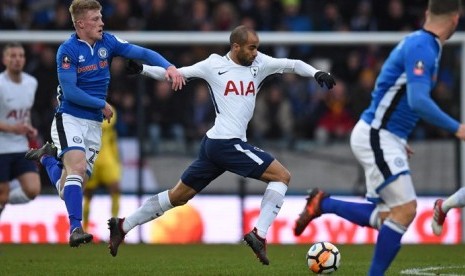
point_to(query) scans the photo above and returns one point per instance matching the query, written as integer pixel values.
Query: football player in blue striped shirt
(83, 66)
(402, 95)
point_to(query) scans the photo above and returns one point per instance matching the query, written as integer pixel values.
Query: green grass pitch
(94, 259)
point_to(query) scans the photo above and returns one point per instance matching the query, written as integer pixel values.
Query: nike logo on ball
(221, 73)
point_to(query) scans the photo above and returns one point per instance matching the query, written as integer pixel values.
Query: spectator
(363, 19)
(225, 16)
(273, 118)
(201, 113)
(165, 119)
(336, 121)
(198, 17)
(44, 69)
(61, 19)
(123, 17)
(161, 17)
(394, 17)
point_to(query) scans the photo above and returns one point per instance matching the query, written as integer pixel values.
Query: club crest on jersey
(77, 139)
(399, 162)
(65, 62)
(419, 68)
(254, 70)
(102, 53)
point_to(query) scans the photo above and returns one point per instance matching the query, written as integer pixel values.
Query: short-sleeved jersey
(16, 100)
(234, 88)
(414, 59)
(91, 64)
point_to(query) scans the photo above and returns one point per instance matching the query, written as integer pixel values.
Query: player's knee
(32, 191)
(410, 214)
(285, 176)
(3, 198)
(405, 214)
(77, 169)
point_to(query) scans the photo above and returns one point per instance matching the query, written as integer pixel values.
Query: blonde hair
(79, 7)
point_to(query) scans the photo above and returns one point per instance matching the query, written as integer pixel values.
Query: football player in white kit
(17, 92)
(234, 81)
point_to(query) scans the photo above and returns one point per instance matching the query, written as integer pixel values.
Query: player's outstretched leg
(78, 237)
(116, 234)
(47, 149)
(258, 246)
(311, 210)
(439, 216)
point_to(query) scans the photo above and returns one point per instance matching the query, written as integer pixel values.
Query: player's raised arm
(197, 70)
(284, 65)
(154, 72)
(306, 70)
(151, 57)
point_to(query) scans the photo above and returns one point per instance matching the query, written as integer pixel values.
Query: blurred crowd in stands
(289, 108)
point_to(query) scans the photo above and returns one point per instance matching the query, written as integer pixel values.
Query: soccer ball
(323, 258)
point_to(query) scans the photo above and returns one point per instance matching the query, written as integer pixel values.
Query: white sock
(60, 191)
(271, 204)
(454, 201)
(151, 209)
(375, 220)
(17, 196)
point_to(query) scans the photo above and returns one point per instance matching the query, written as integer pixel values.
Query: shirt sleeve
(67, 77)
(420, 63)
(154, 72)
(74, 94)
(285, 65)
(131, 51)
(420, 101)
(197, 70)
(188, 72)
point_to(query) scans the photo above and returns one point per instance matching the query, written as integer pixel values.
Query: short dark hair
(240, 34)
(439, 7)
(11, 45)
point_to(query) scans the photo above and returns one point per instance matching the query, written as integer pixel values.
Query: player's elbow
(420, 107)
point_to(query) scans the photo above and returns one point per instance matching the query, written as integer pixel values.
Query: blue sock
(72, 195)
(358, 213)
(387, 246)
(53, 169)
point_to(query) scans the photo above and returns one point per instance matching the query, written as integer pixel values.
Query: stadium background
(303, 125)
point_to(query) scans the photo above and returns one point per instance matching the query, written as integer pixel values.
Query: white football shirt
(16, 100)
(233, 88)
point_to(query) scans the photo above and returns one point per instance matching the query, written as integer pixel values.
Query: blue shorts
(219, 155)
(13, 165)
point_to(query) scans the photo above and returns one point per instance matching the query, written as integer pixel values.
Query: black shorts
(219, 155)
(13, 165)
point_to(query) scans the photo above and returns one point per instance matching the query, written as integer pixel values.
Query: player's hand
(107, 112)
(20, 128)
(133, 68)
(409, 150)
(32, 133)
(324, 78)
(461, 132)
(172, 74)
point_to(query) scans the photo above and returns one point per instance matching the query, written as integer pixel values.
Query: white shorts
(70, 133)
(383, 157)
